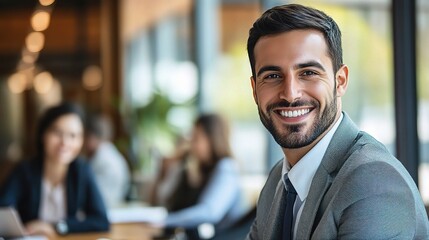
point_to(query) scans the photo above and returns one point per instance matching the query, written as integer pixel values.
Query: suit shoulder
(368, 150)
(368, 170)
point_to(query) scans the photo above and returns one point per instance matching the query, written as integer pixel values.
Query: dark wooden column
(111, 91)
(404, 42)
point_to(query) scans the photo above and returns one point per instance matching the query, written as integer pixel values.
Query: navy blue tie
(288, 217)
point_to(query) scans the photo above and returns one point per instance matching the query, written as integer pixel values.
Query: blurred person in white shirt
(109, 166)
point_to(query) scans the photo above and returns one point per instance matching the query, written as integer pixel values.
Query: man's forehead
(297, 46)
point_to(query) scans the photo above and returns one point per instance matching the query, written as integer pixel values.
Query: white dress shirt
(302, 173)
(53, 206)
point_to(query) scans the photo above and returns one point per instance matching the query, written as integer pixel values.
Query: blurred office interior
(153, 66)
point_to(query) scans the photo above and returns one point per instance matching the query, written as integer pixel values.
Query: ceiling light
(46, 2)
(92, 78)
(40, 21)
(17, 83)
(43, 82)
(35, 41)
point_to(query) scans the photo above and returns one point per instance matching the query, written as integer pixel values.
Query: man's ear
(253, 83)
(342, 80)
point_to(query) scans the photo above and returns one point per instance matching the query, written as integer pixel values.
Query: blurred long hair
(217, 131)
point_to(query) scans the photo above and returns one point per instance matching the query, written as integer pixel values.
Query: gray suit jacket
(360, 191)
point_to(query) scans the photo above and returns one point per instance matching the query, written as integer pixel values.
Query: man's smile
(294, 114)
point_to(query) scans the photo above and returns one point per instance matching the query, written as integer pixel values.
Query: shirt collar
(301, 175)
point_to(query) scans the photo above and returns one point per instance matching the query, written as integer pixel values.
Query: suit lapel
(319, 186)
(274, 224)
(332, 161)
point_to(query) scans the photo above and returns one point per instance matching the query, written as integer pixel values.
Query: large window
(232, 92)
(160, 89)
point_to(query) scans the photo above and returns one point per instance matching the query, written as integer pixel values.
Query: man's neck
(293, 155)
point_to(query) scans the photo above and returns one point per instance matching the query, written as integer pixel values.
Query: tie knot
(290, 187)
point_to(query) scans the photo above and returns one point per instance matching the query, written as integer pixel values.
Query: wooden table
(122, 231)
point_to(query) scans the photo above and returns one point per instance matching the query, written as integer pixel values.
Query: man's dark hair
(99, 125)
(290, 17)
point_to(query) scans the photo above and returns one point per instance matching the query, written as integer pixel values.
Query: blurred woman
(209, 190)
(170, 169)
(55, 192)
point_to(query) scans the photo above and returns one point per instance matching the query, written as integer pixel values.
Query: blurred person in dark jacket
(56, 192)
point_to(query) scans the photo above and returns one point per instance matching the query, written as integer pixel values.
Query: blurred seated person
(170, 170)
(109, 166)
(209, 189)
(55, 192)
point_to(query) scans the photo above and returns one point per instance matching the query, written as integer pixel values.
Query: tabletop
(118, 231)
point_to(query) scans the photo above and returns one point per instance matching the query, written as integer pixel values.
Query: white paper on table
(137, 214)
(28, 238)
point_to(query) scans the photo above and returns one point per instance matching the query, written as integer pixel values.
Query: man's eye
(308, 73)
(272, 76)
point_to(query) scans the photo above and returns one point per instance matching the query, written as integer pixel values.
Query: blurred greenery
(155, 134)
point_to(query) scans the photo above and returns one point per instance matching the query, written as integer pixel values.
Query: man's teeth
(294, 113)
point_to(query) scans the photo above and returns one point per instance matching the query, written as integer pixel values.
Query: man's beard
(293, 137)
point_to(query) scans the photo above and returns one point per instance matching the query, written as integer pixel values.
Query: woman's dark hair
(290, 17)
(217, 131)
(48, 118)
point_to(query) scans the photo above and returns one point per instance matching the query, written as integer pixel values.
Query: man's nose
(291, 89)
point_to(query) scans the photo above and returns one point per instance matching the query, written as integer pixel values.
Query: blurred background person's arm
(215, 202)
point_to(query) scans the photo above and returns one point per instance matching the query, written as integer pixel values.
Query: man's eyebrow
(267, 68)
(310, 64)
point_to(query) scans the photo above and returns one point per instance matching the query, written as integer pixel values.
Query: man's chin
(288, 129)
(291, 136)
(290, 141)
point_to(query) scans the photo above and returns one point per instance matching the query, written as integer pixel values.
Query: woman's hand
(38, 227)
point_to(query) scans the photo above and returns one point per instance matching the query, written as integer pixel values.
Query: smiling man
(335, 182)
